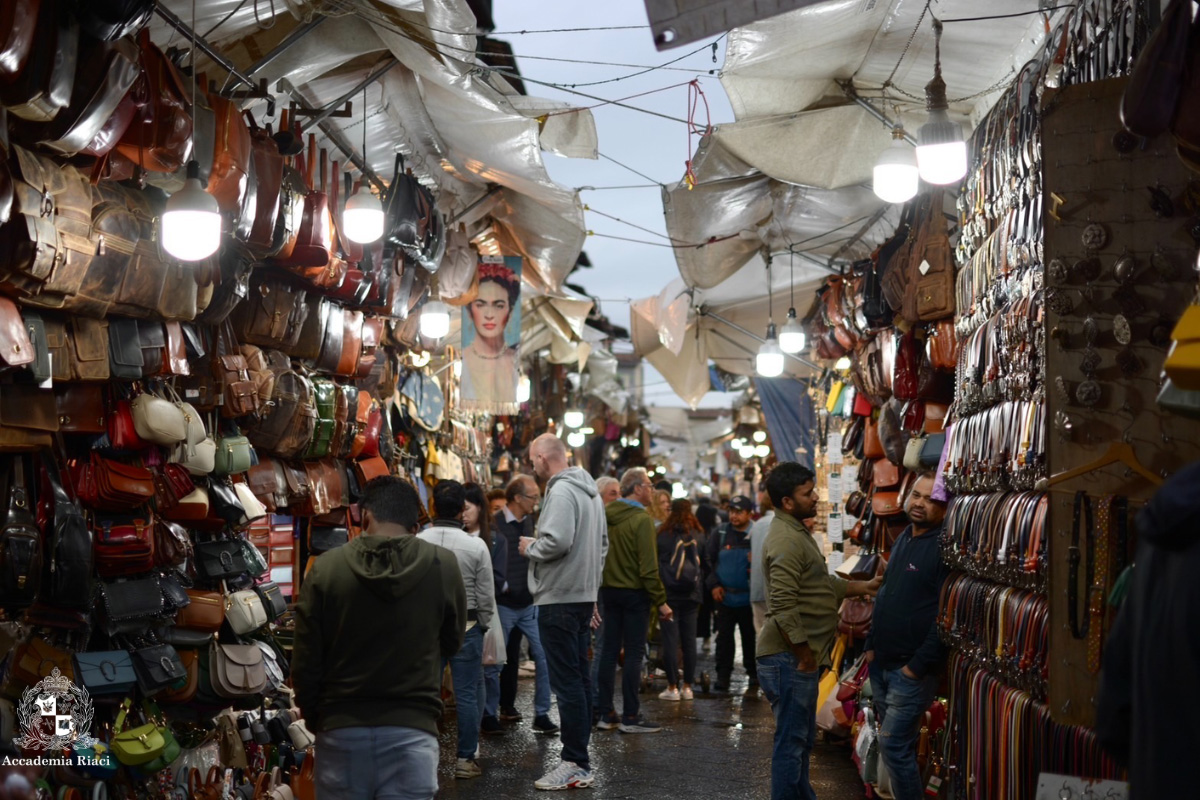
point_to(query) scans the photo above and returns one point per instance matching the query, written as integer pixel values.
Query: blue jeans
(900, 705)
(793, 698)
(626, 615)
(466, 670)
(525, 620)
(565, 629)
(385, 763)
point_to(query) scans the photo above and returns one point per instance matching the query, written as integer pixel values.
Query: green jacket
(375, 622)
(802, 597)
(632, 561)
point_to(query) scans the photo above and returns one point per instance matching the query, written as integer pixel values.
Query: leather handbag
(18, 23)
(57, 347)
(16, 349)
(237, 670)
(886, 503)
(158, 420)
(323, 538)
(157, 667)
(943, 346)
(935, 417)
(331, 341)
(268, 173)
(20, 544)
(931, 266)
(372, 333)
(352, 343)
(304, 779)
(225, 506)
(300, 492)
(36, 659)
(229, 178)
(69, 550)
(884, 474)
(273, 315)
(132, 605)
(325, 393)
(108, 71)
(931, 450)
(105, 673)
(286, 426)
(205, 612)
(199, 459)
(39, 338)
(111, 485)
(88, 351)
(265, 479)
(184, 691)
(124, 350)
(912, 453)
(872, 446)
(159, 137)
(245, 611)
(172, 544)
(124, 545)
(192, 508)
(854, 615)
(272, 599)
(254, 507)
(233, 376)
(135, 746)
(368, 469)
(220, 560)
(234, 455)
(44, 85)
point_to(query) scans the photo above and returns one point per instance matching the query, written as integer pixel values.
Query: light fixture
(791, 335)
(635, 442)
(457, 368)
(896, 176)
(587, 431)
(576, 439)
(573, 418)
(941, 150)
(769, 361)
(191, 222)
(759, 436)
(762, 451)
(677, 490)
(842, 363)
(363, 216)
(736, 444)
(660, 470)
(435, 320)
(524, 386)
(746, 451)
(705, 490)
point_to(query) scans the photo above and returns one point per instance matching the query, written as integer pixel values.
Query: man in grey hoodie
(566, 563)
(375, 622)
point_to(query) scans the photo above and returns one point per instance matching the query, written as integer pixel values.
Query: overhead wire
(631, 169)
(630, 186)
(555, 30)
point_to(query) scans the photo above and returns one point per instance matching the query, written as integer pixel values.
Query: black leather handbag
(272, 599)
(157, 667)
(124, 349)
(224, 502)
(20, 545)
(219, 560)
(132, 606)
(69, 555)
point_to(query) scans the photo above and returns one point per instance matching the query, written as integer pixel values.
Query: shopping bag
(829, 683)
(493, 645)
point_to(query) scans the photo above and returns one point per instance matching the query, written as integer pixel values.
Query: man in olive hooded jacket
(376, 620)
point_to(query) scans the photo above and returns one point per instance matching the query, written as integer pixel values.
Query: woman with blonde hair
(660, 507)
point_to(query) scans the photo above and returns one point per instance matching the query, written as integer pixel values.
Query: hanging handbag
(172, 544)
(234, 455)
(226, 505)
(124, 545)
(219, 560)
(232, 374)
(192, 508)
(158, 420)
(171, 748)
(136, 746)
(131, 605)
(157, 667)
(205, 612)
(237, 670)
(245, 611)
(252, 505)
(20, 545)
(105, 673)
(69, 553)
(158, 139)
(854, 615)
(185, 689)
(272, 599)
(37, 658)
(45, 84)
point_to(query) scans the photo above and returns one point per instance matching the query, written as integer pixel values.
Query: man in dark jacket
(729, 584)
(631, 586)
(903, 647)
(376, 620)
(514, 603)
(1147, 687)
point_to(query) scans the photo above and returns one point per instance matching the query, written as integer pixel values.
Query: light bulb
(706, 490)
(191, 223)
(635, 442)
(435, 320)
(677, 490)
(842, 363)
(759, 436)
(791, 335)
(941, 151)
(523, 389)
(661, 470)
(896, 176)
(573, 418)
(363, 217)
(769, 361)
(747, 451)
(576, 439)
(736, 444)
(457, 368)
(762, 451)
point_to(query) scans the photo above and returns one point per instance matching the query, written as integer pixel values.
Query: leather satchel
(124, 545)
(943, 346)
(273, 315)
(268, 173)
(330, 356)
(205, 612)
(872, 446)
(854, 615)
(139, 745)
(287, 423)
(159, 138)
(228, 181)
(237, 670)
(131, 605)
(352, 344)
(87, 351)
(368, 469)
(44, 85)
(267, 482)
(931, 267)
(886, 503)
(272, 599)
(312, 332)
(233, 375)
(20, 545)
(105, 673)
(884, 474)
(325, 393)
(219, 560)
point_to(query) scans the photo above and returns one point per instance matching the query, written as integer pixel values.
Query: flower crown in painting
(499, 273)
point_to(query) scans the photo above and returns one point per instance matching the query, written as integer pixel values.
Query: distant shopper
(496, 501)
(709, 518)
(466, 667)
(514, 603)
(567, 561)
(758, 535)
(609, 488)
(903, 647)
(802, 616)
(631, 587)
(680, 566)
(375, 622)
(729, 584)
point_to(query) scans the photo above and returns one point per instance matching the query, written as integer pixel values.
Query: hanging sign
(491, 337)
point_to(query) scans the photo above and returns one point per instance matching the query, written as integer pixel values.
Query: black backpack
(682, 573)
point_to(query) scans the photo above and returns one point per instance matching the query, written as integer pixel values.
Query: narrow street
(716, 746)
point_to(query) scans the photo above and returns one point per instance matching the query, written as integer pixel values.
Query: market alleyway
(716, 746)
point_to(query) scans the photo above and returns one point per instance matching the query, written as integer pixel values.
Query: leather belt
(1083, 504)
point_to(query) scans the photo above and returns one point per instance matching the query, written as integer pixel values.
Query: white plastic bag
(493, 644)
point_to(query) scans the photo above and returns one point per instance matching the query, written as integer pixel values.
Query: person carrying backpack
(679, 564)
(729, 583)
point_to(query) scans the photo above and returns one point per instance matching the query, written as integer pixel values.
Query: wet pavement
(716, 746)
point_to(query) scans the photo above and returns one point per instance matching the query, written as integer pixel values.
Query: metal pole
(224, 63)
(336, 138)
(285, 45)
(706, 313)
(329, 108)
(491, 192)
(878, 215)
(852, 93)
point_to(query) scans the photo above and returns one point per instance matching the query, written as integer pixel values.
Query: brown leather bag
(59, 346)
(81, 407)
(352, 343)
(872, 446)
(191, 662)
(886, 503)
(229, 178)
(299, 488)
(935, 417)
(285, 426)
(16, 350)
(368, 469)
(232, 374)
(884, 474)
(158, 139)
(331, 340)
(107, 72)
(372, 332)
(265, 479)
(930, 294)
(18, 23)
(268, 172)
(88, 353)
(273, 315)
(943, 345)
(312, 257)
(205, 612)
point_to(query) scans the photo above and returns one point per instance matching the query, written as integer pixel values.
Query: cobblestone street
(716, 746)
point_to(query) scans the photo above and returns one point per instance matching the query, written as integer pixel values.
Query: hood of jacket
(390, 566)
(1171, 520)
(619, 511)
(578, 478)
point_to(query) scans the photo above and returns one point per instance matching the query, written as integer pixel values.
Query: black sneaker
(720, 688)
(542, 724)
(640, 726)
(510, 715)
(490, 726)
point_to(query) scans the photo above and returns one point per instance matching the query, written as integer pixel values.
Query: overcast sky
(651, 145)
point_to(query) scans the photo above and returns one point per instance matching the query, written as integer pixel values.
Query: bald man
(566, 562)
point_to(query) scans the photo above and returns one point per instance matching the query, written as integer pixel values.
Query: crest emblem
(55, 714)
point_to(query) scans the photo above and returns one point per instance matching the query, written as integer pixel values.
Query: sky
(656, 147)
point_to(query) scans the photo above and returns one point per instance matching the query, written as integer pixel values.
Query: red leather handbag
(158, 138)
(124, 545)
(122, 434)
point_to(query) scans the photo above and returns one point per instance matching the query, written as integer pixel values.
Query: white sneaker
(567, 775)
(669, 694)
(686, 693)
(466, 768)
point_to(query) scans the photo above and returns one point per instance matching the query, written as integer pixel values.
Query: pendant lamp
(576, 439)
(941, 150)
(573, 418)
(896, 176)
(363, 216)
(523, 389)
(791, 335)
(435, 320)
(769, 361)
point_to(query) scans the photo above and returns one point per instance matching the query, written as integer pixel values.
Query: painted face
(490, 310)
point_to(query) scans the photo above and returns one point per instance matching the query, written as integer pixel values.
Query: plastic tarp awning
(791, 421)
(462, 127)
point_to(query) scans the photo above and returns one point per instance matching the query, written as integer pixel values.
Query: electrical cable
(713, 240)
(660, 184)
(630, 186)
(630, 224)
(227, 17)
(554, 30)
(1009, 16)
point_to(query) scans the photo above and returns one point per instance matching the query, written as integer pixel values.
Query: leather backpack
(285, 426)
(273, 315)
(159, 138)
(268, 174)
(930, 292)
(20, 544)
(326, 393)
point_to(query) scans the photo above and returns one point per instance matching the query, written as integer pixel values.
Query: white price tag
(834, 561)
(833, 528)
(836, 488)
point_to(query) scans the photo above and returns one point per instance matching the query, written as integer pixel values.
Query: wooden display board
(1087, 180)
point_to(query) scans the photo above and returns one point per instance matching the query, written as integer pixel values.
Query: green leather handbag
(137, 746)
(326, 394)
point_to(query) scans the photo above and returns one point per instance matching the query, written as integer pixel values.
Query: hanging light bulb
(759, 437)
(941, 150)
(842, 363)
(791, 336)
(769, 361)
(363, 215)
(573, 418)
(762, 451)
(736, 444)
(191, 224)
(896, 176)
(747, 451)
(523, 389)
(435, 320)
(576, 439)
(678, 491)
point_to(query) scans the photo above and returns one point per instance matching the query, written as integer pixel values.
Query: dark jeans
(793, 698)
(565, 629)
(900, 705)
(511, 671)
(704, 619)
(626, 615)
(728, 618)
(679, 632)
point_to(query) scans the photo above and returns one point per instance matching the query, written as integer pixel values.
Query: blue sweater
(904, 623)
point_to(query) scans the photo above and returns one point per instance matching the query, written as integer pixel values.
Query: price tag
(834, 528)
(834, 561)
(836, 488)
